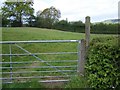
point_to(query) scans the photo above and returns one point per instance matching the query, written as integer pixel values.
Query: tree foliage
(48, 17)
(64, 25)
(16, 12)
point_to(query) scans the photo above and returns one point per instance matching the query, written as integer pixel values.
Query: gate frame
(34, 55)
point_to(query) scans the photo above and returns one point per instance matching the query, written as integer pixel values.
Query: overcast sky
(73, 10)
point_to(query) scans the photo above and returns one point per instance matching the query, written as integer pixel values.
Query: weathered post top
(87, 31)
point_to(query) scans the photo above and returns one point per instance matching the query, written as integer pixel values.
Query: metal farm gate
(43, 60)
(19, 64)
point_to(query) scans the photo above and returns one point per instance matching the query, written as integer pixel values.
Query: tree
(17, 12)
(62, 25)
(0, 19)
(77, 26)
(48, 17)
(74, 26)
(31, 21)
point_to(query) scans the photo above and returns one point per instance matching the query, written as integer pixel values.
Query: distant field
(24, 34)
(42, 34)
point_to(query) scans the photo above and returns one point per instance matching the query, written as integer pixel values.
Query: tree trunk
(20, 20)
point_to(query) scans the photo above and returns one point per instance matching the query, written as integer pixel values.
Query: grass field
(25, 34)
(42, 34)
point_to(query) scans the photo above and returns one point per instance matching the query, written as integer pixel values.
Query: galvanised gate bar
(25, 66)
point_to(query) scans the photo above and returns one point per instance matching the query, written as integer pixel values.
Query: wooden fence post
(81, 60)
(83, 47)
(87, 31)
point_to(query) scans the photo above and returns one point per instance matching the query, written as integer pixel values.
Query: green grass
(37, 34)
(77, 82)
(24, 34)
(33, 84)
(42, 34)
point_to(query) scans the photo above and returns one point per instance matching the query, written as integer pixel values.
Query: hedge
(103, 63)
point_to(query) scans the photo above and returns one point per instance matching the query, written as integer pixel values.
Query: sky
(74, 10)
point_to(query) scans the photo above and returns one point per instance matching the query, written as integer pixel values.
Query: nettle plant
(103, 63)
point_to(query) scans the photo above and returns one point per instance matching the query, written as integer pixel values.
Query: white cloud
(98, 10)
(40, 5)
(78, 9)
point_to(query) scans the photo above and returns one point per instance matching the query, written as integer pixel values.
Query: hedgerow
(103, 63)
